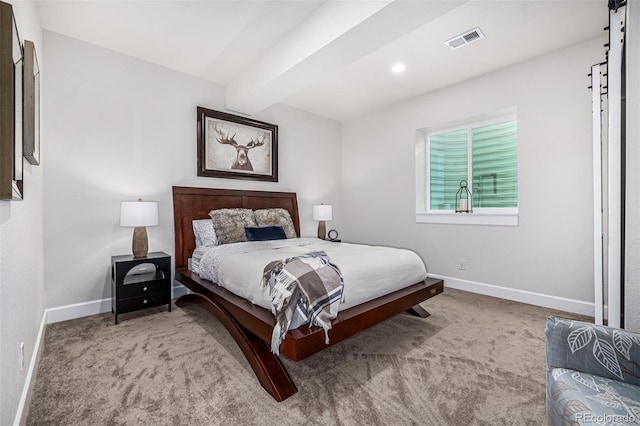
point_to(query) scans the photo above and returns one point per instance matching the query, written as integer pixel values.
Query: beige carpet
(475, 360)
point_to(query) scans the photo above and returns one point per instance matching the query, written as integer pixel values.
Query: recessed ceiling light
(398, 68)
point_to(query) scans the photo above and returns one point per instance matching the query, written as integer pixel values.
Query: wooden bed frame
(251, 326)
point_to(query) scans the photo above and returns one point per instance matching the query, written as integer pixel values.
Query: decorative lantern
(464, 200)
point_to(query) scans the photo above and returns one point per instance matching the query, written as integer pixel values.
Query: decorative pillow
(265, 233)
(204, 232)
(276, 217)
(229, 224)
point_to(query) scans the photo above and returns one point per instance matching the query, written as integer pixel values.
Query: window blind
(495, 165)
(449, 165)
(493, 180)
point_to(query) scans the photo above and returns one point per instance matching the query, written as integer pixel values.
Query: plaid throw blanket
(309, 285)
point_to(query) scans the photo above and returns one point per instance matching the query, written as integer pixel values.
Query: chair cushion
(574, 397)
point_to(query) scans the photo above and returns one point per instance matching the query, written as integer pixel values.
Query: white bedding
(368, 271)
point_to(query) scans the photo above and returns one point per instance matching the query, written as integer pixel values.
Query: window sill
(491, 219)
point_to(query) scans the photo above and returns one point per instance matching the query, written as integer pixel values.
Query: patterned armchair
(593, 374)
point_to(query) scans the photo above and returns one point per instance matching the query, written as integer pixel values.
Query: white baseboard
(25, 398)
(180, 291)
(538, 299)
(79, 310)
(63, 313)
(94, 307)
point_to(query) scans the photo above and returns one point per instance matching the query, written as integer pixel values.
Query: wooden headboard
(196, 203)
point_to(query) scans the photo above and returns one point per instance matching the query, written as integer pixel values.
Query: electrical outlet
(462, 265)
(21, 356)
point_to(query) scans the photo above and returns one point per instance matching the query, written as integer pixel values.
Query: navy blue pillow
(265, 233)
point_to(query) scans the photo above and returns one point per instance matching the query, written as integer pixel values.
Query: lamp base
(322, 230)
(140, 245)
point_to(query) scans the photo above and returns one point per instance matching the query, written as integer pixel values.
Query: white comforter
(368, 271)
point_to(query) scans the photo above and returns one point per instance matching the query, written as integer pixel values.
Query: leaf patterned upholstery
(593, 374)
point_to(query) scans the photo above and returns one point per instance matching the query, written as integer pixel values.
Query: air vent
(465, 38)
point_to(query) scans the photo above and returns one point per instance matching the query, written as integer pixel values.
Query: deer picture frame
(235, 147)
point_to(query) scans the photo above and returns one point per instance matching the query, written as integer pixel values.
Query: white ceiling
(332, 58)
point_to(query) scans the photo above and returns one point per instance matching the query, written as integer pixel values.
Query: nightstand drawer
(140, 282)
(141, 289)
(134, 303)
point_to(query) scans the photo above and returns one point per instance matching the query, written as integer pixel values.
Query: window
(485, 155)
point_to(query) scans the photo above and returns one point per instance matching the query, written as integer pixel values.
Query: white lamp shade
(138, 213)
(322, 212)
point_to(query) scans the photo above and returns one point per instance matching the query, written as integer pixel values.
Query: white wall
(21, 257)
(119, 128)
(632, 254)
(551, 251)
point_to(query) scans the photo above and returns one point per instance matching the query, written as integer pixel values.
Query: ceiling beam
(337, 34)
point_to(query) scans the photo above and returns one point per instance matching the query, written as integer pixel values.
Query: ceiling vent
(464, 39)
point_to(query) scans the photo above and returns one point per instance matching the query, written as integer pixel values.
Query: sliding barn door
(608, 85)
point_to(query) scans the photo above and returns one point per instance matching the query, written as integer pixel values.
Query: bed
(251, 325)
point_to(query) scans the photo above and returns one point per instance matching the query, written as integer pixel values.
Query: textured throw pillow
(229, 224)
(276, 217)
(265, 233)
(204, 233)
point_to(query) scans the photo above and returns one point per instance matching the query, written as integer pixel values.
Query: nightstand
(148, 286)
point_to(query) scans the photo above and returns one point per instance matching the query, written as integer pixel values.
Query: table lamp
(139, 214)
(322, 212)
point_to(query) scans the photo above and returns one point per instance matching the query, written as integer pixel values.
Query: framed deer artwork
(235, 147)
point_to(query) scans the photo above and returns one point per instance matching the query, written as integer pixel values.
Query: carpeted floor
(475, 360)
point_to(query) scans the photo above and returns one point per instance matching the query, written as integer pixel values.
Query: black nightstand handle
(145, 301)
(145, 289)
